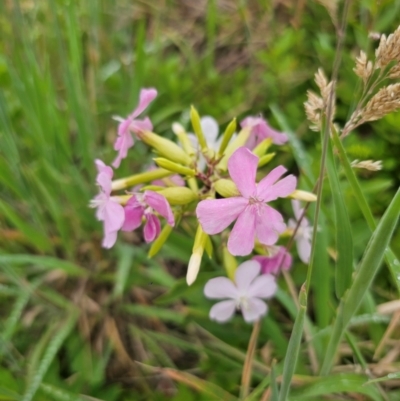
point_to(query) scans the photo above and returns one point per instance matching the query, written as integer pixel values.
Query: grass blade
(49, 354)
(365, 273)
(294, 347)
(344, 238)
(390, 257)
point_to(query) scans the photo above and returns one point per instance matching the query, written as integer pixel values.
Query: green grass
(78, 321)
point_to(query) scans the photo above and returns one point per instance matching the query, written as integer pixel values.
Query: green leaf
(344, 239)
(46, 262)
(334, 384)
(364, 276)
(60, 334)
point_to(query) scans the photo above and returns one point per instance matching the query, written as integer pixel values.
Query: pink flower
(144, 205)
(124, 139)
(260, 130)
(254, 217)
(280, 259)
(110, 212)
(304, 233)
(245, 293)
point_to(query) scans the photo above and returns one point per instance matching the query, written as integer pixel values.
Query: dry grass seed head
(363, 67)
(370, 165)
(384, 102)
(313, 107)
(388, 49)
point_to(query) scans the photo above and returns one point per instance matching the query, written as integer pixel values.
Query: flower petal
(297, 210)
(134, 212)
(109, 239)
(223, 311)
(141, 125)
(216, 214)
(114, 216)
(242, 166)
(145, 98)
(122, 144)
(220, 288)
(269, 224)
(303, 249)
(241, 239)
(263, 286)
(210, 130)
(255, 309)
(103, 168)
(281, 189)
(152, 228)
(245, 274)
(160, 205)
(263, 187)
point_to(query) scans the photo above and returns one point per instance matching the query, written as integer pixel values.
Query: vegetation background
(80, 322)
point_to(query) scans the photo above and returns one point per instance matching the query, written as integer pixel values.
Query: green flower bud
(178, 195)
(229, 131)
(226, 188)
(197, 254)
(196, 124)
(180, 132)
(266, 159)
(141, 178)
(165, 147)
(262, 147)
(239, 141)
(303, 196)
(160, 240)
(175, 167)
(230, 263)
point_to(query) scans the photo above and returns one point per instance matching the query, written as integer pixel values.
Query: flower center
(256, 204)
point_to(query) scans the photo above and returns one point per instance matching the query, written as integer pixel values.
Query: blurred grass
(66, 68)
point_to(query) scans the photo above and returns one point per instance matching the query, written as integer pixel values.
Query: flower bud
(195, 118)
(262, 147)
(230, 130)
(180, 132)
(226, 188)
(175, 167)
(160, 240)
(165, 147)
(197, 253)
(303, 195)
(178, 195)
(239, 141)
(266, 159)
(141, 178)
(230, 263)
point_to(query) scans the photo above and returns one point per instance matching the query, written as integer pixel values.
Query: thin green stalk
(292, 353)
(364, 276)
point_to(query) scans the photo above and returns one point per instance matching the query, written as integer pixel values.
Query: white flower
(304, 232)
(245, 293)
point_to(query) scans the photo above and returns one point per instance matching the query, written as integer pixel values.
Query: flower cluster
(210, 182)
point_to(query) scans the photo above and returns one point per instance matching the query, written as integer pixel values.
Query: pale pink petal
(210, 130)
(265, 184)
(263, 286)
(109, 239)
(134, 212)
(297, 210)
(217, 214)
(242, 166)
(141, 125)
(281, 260)
(241, 239)
(122, 144)
(114, 216)
(281, 189)
(99, 201)
(265, 131)
(223, 311)
(103, 168)
(219, 288)
(269, 224)
(254, 310)
(145, 98)
(160, 205)
(303, 249)
(123, 128)
(245, 274)
(152, 228)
